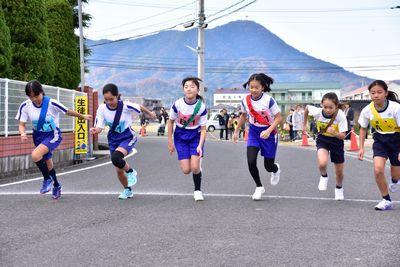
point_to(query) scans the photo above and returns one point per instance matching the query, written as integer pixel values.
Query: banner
(81, 128)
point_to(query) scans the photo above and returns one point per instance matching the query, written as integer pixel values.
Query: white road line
(188, 195)
(134, 151)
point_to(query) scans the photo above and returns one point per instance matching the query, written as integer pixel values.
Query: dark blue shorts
(387, 146)
(50, 139)
(186, 142)
(127, 140)
(267, 146)
(334, 146)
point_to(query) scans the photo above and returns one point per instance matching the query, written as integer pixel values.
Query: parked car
(213, 122)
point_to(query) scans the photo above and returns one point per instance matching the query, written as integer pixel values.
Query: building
(362, 93)
(286, 94)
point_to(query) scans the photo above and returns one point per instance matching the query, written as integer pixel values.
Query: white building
(286, 94)
(362, 93)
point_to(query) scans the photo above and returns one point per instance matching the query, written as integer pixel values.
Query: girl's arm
(363, 131)
(152, 114)
(170, 128)
(202, 139)
(73, 113)
(278, 119)
(336, 134)
(22, 129)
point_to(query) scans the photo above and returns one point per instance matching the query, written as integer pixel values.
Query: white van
(213, 122)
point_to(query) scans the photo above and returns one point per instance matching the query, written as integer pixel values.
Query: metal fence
(12, 94)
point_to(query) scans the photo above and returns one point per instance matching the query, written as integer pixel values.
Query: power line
(147, 18)
(236, 10)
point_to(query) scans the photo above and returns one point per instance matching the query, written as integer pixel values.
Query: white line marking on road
(188, 195)
(134, 151)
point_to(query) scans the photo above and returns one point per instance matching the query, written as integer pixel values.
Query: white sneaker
(384, 205)
(198, 195)
(339, 195)
(323, 183)
(393, 186)
(258, 193)
(275, 176)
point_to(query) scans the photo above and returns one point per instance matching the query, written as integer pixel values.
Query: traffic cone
(304, 141)
(246, 134)
(353, 141)
(142, 132)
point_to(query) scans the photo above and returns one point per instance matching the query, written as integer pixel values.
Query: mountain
(155, 65)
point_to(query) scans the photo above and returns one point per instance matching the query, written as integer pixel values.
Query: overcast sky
(363, 36)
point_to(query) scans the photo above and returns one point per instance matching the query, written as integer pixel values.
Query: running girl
(43, 112)
(121, 137)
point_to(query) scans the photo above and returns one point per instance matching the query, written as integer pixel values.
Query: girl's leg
(379, 171)
(185, 165)
(52, 172)
(395, 173)
(323, 156)
(195, 167)
(339, 174)
(37, 157)
(270, 165)
(120, 164)
(252, 153)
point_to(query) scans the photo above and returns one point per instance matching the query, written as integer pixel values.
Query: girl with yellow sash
(383, 113)
(332, 127)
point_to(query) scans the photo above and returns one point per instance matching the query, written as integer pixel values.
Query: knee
(36, 156)
(379, 172)
(117, 159)
(186, 170)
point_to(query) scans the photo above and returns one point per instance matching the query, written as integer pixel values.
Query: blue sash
(118, 114)
(43, 112)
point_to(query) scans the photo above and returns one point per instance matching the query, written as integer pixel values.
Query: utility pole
(81, 52)
(200, 45)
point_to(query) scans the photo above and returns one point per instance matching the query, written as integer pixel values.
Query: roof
(356, 91)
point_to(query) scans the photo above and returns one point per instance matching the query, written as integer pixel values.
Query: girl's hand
(171, 147)
(87, 117)
(94, 130)
(199, 150)
(331, 131)
(399, 156)
(24, 137)
(235, 137)
(265, 134)
(361, 154)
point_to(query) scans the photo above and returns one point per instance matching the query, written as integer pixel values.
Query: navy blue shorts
(387, 146)
(267, 146)
(50, 139)
(186, 142)
(334, 146)
(127, 140)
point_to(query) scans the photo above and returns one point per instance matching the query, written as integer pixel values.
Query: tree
(63, 43)
(5, 46)
(32, 57)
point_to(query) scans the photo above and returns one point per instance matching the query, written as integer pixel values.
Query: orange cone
(142, 132)
(304, 141)
(353, 141)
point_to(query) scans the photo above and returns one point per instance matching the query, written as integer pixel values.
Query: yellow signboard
(81, 128)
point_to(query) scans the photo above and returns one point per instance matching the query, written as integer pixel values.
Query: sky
(363, 36)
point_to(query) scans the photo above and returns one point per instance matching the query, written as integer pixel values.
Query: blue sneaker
(46, 186)
(127, 193)
(57, 192)
(132, 179)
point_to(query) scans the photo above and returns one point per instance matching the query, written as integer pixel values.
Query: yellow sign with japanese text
(81, 128)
